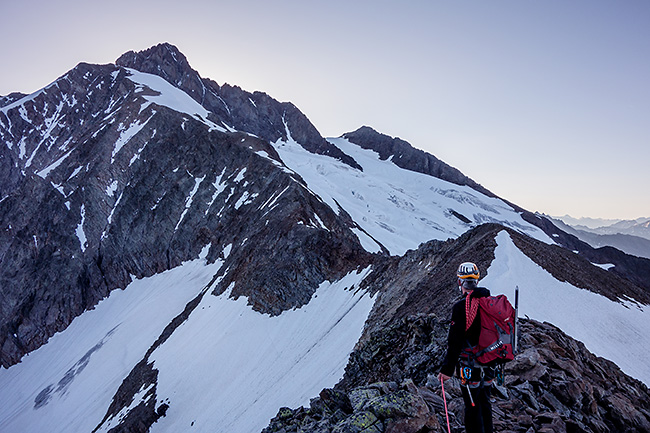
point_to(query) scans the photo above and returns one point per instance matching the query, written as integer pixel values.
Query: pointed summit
(163, 57)
(256, 113)
(166, 61)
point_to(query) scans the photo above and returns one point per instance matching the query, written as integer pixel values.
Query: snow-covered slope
(612, 330)
(399, 208)
(169, 96)
(225, 366)
(231, 367)
(67, 384)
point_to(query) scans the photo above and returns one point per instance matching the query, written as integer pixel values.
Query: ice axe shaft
(515, 345)
(469, 392)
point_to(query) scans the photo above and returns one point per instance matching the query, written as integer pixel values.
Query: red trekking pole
(444, 398)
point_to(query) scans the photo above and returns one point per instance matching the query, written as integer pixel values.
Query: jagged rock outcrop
(375, 408)
(554, 385)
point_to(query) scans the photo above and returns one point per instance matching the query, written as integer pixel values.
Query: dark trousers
(478, 418)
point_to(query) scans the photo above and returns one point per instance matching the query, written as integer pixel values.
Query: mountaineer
(464, 333)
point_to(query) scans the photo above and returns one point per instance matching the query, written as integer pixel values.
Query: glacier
(396, 207)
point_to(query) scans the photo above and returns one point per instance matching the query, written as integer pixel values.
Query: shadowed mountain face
(100, 186)
(117, 173)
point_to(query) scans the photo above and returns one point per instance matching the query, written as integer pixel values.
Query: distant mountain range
(630, 236)
(637, 226)
(179, 254)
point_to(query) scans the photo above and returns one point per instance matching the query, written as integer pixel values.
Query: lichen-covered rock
(360, 422)
(395, 405)
(376, 408)
(360, 396)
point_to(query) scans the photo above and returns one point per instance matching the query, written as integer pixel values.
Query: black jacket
(458, 339)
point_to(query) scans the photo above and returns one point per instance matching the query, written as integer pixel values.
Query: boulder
(360, 422)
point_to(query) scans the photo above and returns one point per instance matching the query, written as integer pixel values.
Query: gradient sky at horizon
(545, 103)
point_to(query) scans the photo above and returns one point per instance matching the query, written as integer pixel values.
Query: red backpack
(497, 331)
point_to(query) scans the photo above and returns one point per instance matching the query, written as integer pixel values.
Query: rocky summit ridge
(256, 113)
(103, 183)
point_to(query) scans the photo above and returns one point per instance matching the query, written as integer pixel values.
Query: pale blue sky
(546, 103)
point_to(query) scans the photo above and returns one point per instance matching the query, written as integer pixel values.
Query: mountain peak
(162, 54)
(164, 60)
(404, 155)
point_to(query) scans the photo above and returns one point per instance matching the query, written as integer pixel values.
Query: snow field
(81, 234)
(397, 207)
(126, 134)
(228, 368)
(85, 364)
(171, 97)
(616, 331)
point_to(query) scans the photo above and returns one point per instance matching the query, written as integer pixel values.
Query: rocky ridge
(419, 282)
(553, 386)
